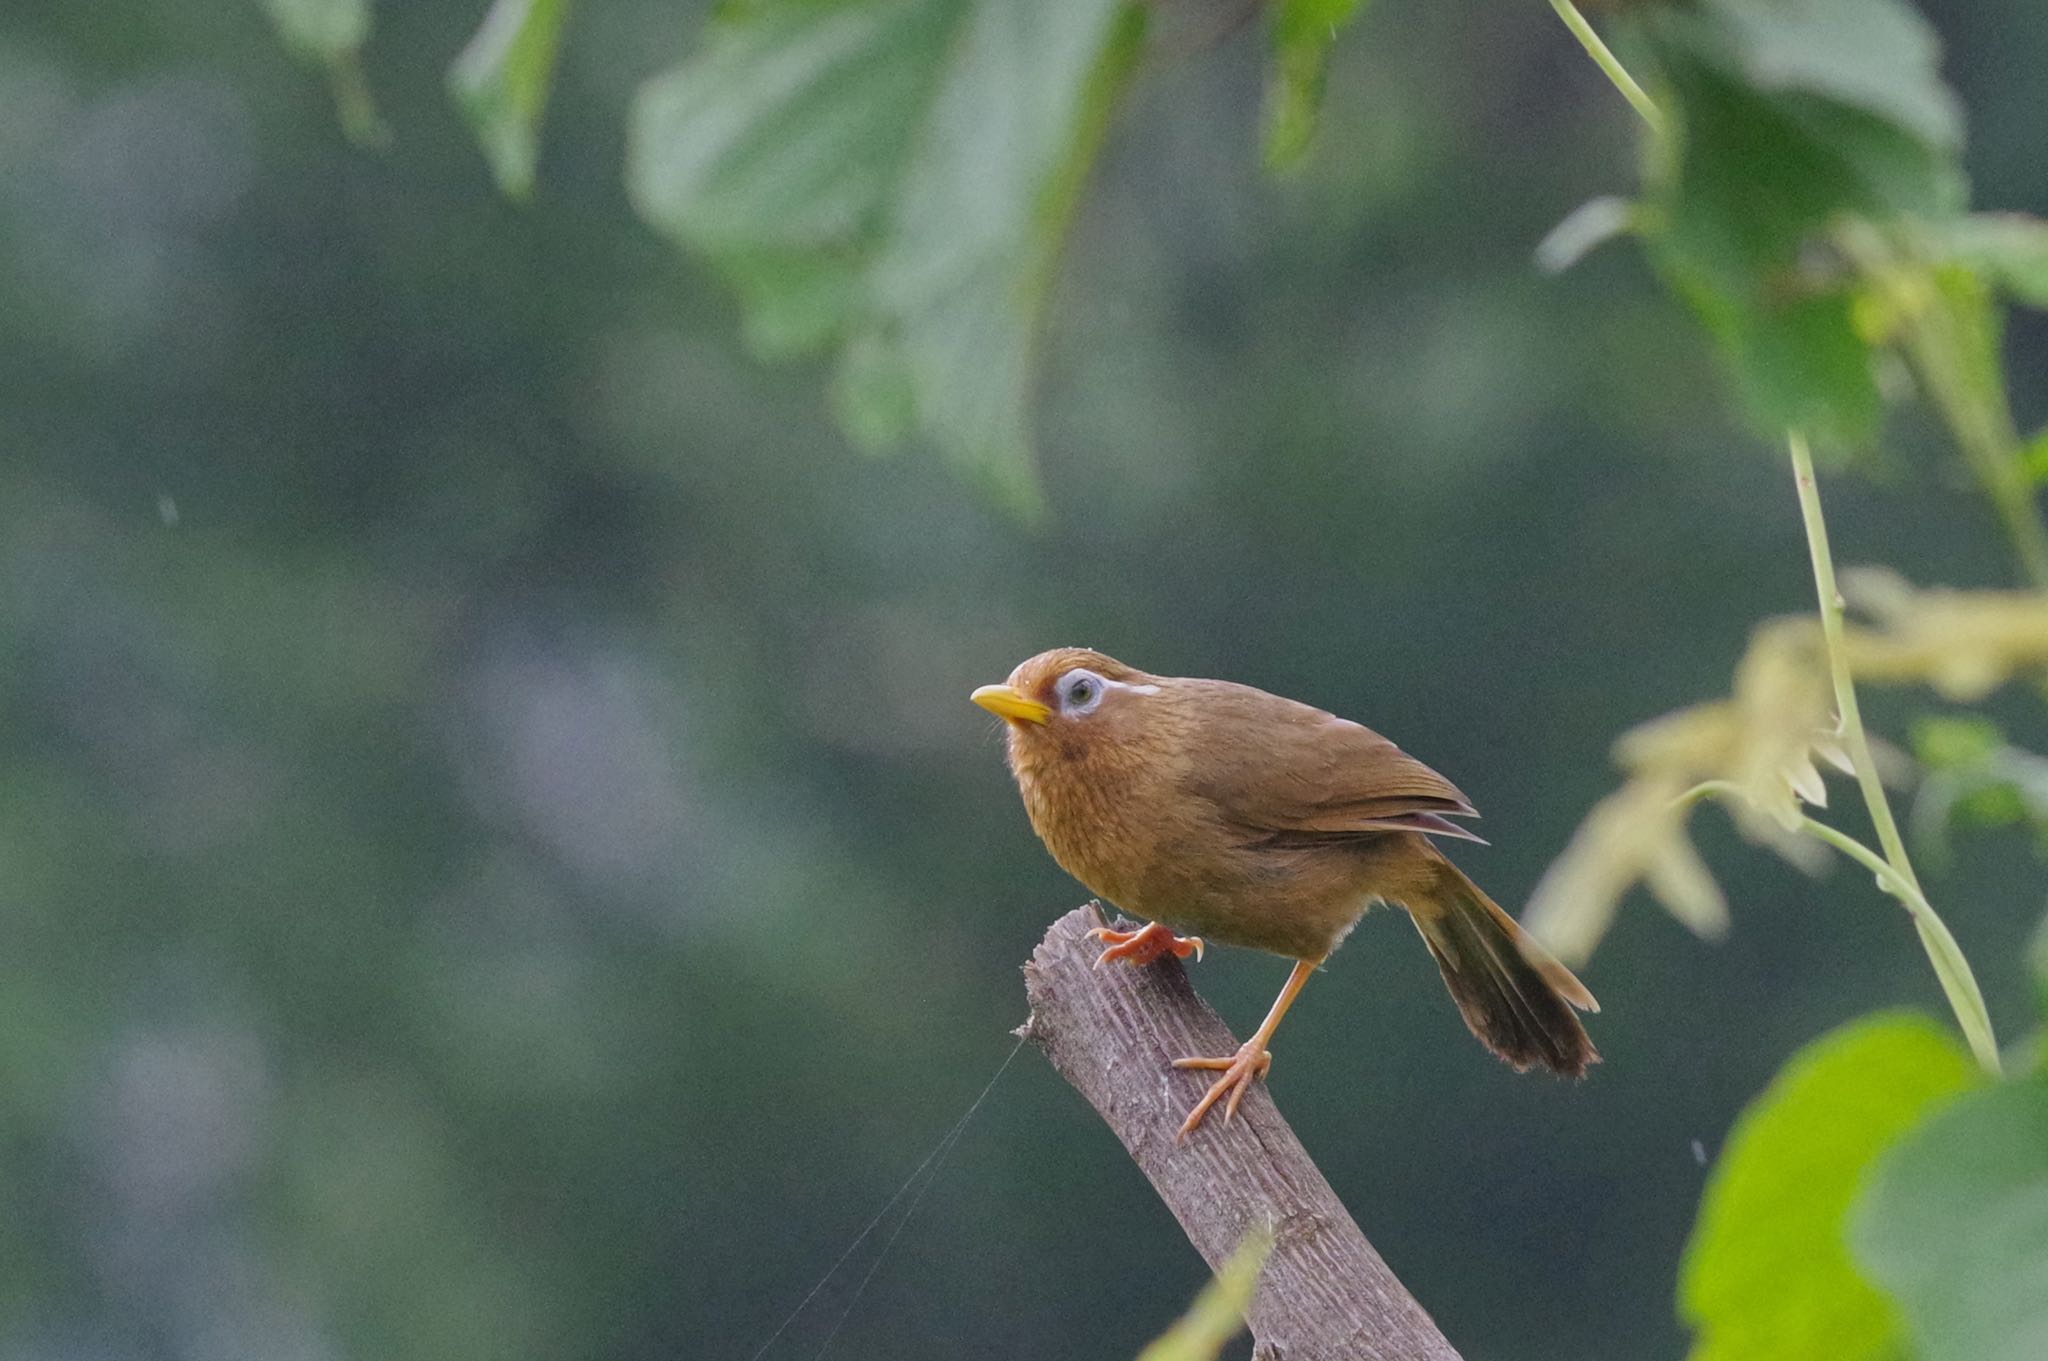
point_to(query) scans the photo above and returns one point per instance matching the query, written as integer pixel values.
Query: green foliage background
(496, 855)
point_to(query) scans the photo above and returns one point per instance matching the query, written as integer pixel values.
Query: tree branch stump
(1113, 1033)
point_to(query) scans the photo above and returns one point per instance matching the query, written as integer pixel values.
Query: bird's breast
(1156, 850)
(1103, 813)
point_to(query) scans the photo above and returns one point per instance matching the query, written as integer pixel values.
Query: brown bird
(1259, 821)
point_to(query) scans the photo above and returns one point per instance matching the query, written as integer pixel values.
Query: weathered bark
(1113, 1032)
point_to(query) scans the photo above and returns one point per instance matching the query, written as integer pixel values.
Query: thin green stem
(1943, 953)
(1609, 63)
(1957, 980)
(1887, 878)
(2016, 506)
(1853, 735)
(1980, 418)
(1710, 789)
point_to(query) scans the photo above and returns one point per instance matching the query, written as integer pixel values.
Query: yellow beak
(1004, 702)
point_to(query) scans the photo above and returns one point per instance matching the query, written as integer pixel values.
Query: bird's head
(1067, 693)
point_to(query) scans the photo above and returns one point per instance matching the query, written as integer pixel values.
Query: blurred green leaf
(874, 394)
(1800, 365)
(1972, 334)
(1955, 1225)
(899, 172)
(501, 81)
(1956, 742)
(2008, 249)
(1790, 115)
(2034, 458)
(1218, 1312)
(1767, 1274)
(1303, 33)
(794, 302)
(791, 126)
(1879, 56)
(1778, 136)
(331, 34)
(2037, 966)
(321, 30)
(1997, 805)
(1975, 778)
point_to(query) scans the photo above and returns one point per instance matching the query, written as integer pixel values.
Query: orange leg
(1144, 945)
(1252, 1058)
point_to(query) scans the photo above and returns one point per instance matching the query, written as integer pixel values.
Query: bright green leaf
(502, 79)
(1955, 1225)
(1218, 1312)
(1303, 33)
(902, 169)
(1767, 1275)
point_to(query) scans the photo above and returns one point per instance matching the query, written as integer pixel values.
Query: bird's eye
(1080, 691)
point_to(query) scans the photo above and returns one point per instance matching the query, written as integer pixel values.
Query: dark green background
(495, 857)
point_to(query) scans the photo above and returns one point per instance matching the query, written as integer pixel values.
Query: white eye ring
(1080, 691)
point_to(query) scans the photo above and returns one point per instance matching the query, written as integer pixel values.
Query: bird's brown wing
(1312, 774)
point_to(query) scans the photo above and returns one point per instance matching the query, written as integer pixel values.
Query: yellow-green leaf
(2035, 456)
(501, 81)
(1218, 1312)
(1767, 1274)
(1303, 33)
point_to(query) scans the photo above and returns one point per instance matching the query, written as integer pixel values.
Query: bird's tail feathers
(1515, 996)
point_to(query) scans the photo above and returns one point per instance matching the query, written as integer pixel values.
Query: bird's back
(1237, 814)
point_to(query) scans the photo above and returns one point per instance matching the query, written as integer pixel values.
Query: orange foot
(1144, 945)
(1240, 1070)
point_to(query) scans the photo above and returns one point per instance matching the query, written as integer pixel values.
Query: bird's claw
(1240, 1070)
(1144, 945)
